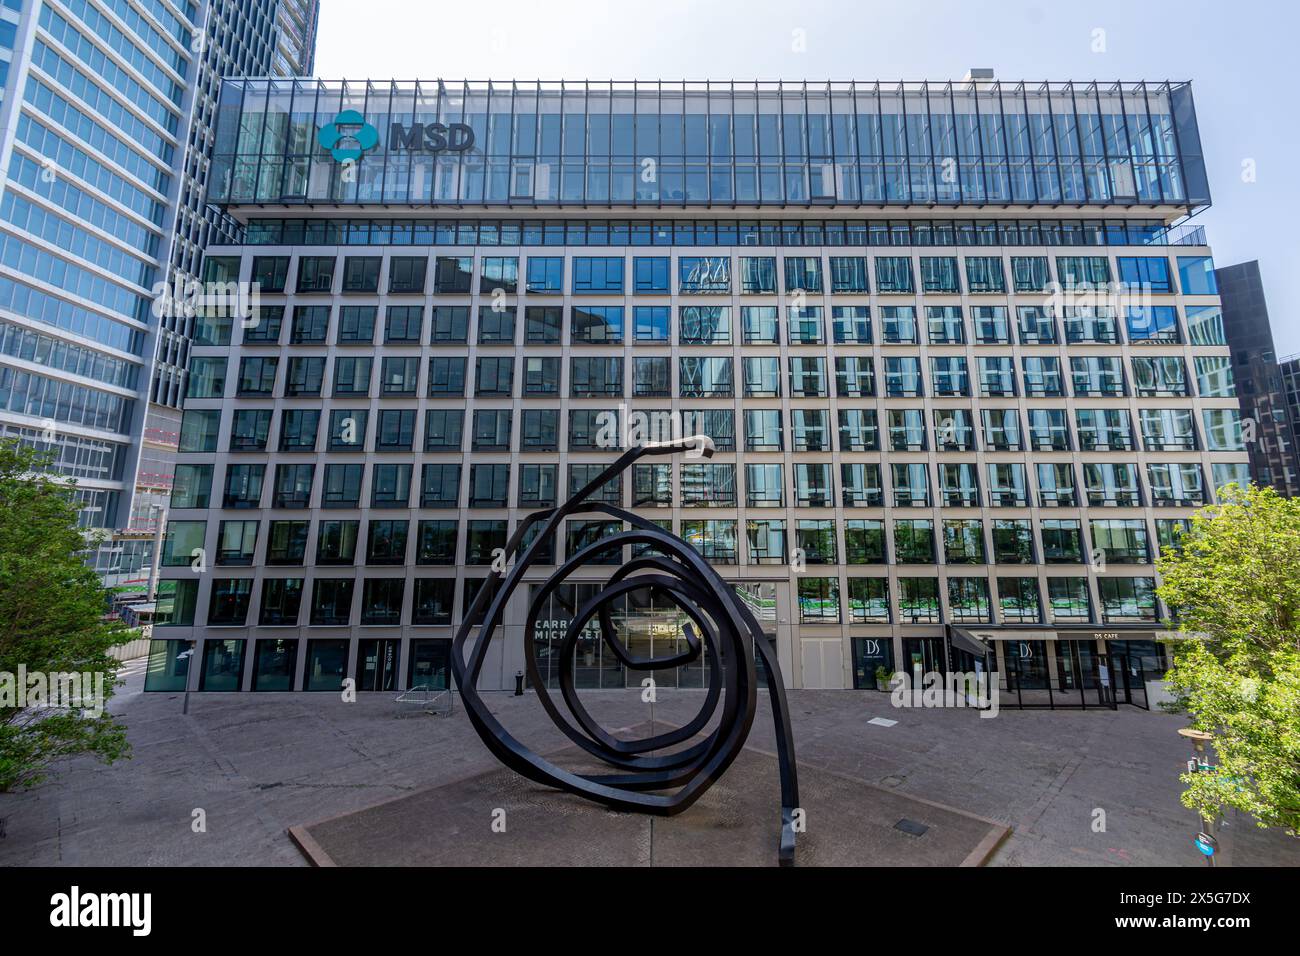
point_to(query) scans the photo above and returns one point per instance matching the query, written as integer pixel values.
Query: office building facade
(964, 372)
(1260, 378)
(105, 131)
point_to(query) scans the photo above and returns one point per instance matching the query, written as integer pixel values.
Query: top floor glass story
(658, 144)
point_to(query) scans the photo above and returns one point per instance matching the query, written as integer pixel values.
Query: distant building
(1260, 388)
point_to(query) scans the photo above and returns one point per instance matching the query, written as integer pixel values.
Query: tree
(51, 623)
(1234, 583)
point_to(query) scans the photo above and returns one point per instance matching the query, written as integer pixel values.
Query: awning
(965, 641)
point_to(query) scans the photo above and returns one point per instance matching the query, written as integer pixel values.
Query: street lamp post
(1205, 841)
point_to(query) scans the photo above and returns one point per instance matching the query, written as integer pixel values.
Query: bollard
(519, 683)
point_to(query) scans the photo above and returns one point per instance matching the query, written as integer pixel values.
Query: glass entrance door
(1026, 664)
(924, 654)
(377, 664)
(1076, 665)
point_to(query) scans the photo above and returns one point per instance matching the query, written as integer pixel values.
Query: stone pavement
(256, 764)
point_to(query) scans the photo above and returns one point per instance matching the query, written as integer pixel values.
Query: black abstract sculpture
(723, 630)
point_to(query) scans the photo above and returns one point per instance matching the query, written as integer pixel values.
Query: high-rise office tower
(105, 136)
(965, 372)
(1261, 388)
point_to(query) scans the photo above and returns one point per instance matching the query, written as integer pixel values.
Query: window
(439, 485)
(855, 377)
(542, 324)
(537, 486)
(939, 274)
(1127, 600)
(243, 486)
(596, 276)
(498, 273)
(704, 275)
(336, 542)
(809, 430)
(812, 485)
(757, 275)
(406, 274)
(1036, 326)
(1030, 273)
(351, 375)
(859, 430)
(911, 485)
(593, 376)
(704, 377)
(764, 486)
(315, 273)
(708, 485)
(959, 485)
(963, 541)
(715, 540)
(356, 324)
(1090, 326)
(390, 486)
(1176, 484)
(541, 375)
(803, 274)
(997, 376)
(432, 604)
(1069, 599)
(270, 272)
(489, 485)
(581, 475)
(894, 274)
(450, 325)
(948, 376)
(984, 274)
(342, 486)
(454, 275)
(447, 376)
(582, 534)
(593, 428)
(850, 325)
(545, 275)
(1223, 431)
(906, 429)
(1082, 271)
(766, 540)
(849, 274)
(968, 600)
(399, 376)
(228, 607)
(292, 486)
(1062, 541)
(208, 378)
(310, 325)
(1013, 541)
(652, 377)
(898, 324)
(249, 429)
(484, 540)
(804, 324)
(305, 376)
(192, 486)
(704, 325)
(652, 485)
(1111, 484)
(819, 600)
(902, 376)
(331, 605)
(1153, 323)
(1205, 325)
(945, 324)
(918, 600)
(1145, 273)
(281, 602)
(539, 429)
(443, 429)
(596, 325)
(1103, 429)
(267, 322)
(1007, 487)
(435, 543)
(361, 273)
(404, 325)
(381, 602)
(650, 275)
(1213, 377)
(386, 542)
(651, 322)
(491, 429)
(864, 541)
(1018, 601)
(869, 604)
(759, 324)
(494, 376)
(1196, 275)
(1167, 429)
(496, 326)
(1120, 541)
(762, 376)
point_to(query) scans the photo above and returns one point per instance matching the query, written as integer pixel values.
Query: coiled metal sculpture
(723, 630)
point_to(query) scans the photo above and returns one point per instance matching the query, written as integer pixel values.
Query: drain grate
(911, 827)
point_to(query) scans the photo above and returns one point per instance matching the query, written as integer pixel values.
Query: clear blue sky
(1241, 57)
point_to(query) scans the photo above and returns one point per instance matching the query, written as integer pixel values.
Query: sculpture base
(736, 823)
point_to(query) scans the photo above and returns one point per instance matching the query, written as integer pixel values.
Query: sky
(1239, 56)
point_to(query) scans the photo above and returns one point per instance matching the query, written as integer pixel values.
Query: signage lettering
(431, 137)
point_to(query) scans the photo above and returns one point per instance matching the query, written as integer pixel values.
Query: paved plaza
(250, 766)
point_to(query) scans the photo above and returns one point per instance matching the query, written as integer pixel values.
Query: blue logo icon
(348, 137)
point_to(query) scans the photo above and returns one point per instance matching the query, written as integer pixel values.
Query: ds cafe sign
(349, 137)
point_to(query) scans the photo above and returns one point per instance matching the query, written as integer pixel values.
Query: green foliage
(51, 620)
(1235, 585)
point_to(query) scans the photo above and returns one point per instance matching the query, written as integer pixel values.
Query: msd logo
(348, 137)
